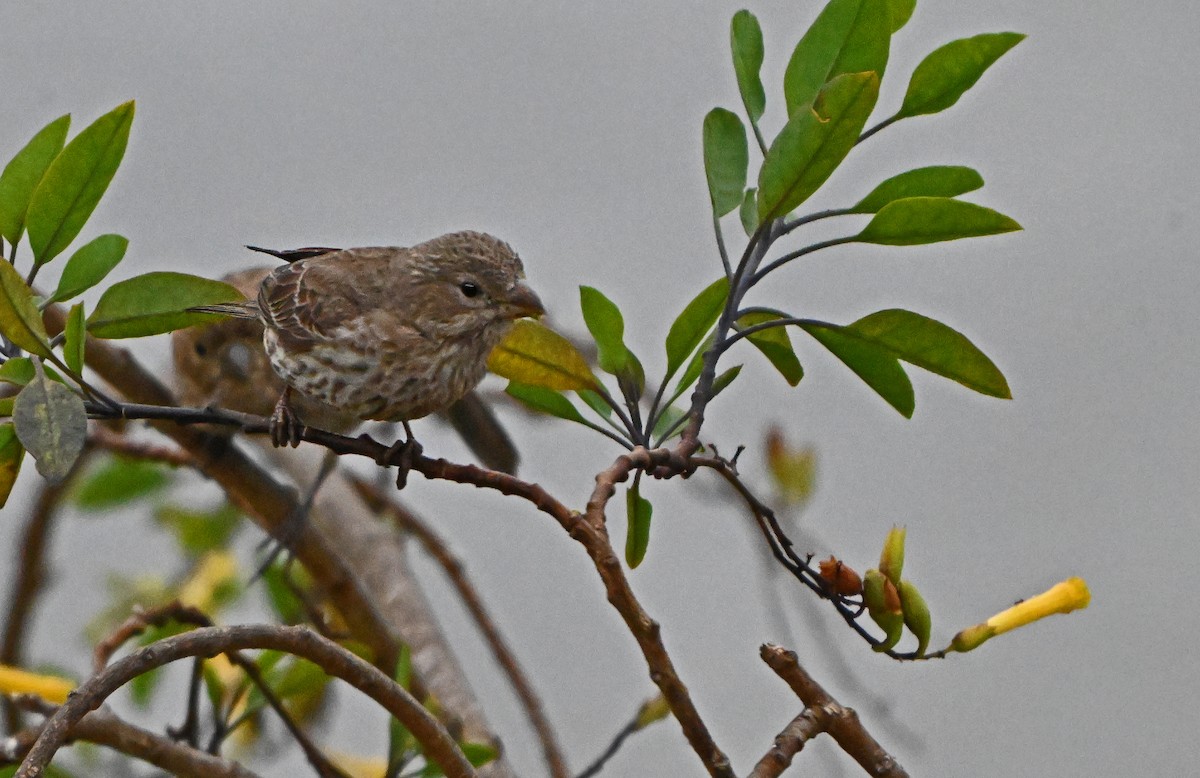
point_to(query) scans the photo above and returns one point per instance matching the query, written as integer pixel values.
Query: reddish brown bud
(840, 577)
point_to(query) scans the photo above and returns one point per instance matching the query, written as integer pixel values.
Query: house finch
(383, 333)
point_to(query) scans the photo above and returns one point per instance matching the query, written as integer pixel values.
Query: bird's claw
(403, 454)
(285, 427)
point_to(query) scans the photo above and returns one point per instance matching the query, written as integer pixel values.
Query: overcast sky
(574, 133)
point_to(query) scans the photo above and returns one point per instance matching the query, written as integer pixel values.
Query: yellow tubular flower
(50, 688)
(1072, 594)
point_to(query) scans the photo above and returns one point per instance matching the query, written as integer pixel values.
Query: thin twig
(501, 651)
(107, 439)
(210, 641)
(104, 728)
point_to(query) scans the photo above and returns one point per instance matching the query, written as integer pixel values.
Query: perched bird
(383, 333)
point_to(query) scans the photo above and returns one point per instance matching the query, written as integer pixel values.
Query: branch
(453, 568)
(104, 728)
(184, 614)
(842, 723)
(210, 641)
(790, 742)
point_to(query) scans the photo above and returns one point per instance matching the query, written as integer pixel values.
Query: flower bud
(916, 615)
(840, 577)
(883, 604)
(891, 561)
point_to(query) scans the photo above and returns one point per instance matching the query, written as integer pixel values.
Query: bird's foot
(285, 427)
(403, 454)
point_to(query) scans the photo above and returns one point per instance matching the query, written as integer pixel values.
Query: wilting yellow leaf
(537, 355)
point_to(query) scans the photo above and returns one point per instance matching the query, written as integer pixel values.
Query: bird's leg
(285, 425)
(291, 527)
(402, 454)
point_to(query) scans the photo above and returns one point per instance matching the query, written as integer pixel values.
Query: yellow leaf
(537, 355)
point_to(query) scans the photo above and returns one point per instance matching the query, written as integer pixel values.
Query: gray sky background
(574, 133)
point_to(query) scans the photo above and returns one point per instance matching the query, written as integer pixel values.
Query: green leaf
(196, 531)
(75, 182)
(933, 181)
(849, 36)
(17, 370)
(872, 363)
(596, 402)
(694, 367)
(696, 319)
(748, 213)
(156, 302)
(725, 159)
(20, 371)
(52, 424)
(117, 481)
(88, 266)
(746, 40)
(948, 72)
(605, 323)
(932, 345)
(537, 355)
(75, 339)
(774, 343)
(725, 379)
(12, 454)
(916, 221)
(22, 174)
(900, 11)
(545, 400)
(667, 418)
(20, 320)
(813, 143)
(402, 746)
(637, 536)
(281, 596)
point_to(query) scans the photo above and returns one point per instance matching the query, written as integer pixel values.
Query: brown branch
(105, 728)
(109, 440)
(184, 614)
(501, 651)
(210, 641)
(790, 742)
(842, 723)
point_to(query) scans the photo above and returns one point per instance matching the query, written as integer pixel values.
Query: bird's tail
(243, 310)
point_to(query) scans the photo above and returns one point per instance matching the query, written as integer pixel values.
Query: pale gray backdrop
(574, 133)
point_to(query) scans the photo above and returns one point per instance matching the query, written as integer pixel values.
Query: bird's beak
(522, 301)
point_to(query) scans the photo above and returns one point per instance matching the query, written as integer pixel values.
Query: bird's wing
(310, 298)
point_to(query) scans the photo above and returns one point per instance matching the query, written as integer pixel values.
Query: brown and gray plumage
(386, 333)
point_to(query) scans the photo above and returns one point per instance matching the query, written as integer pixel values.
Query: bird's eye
(469, 289)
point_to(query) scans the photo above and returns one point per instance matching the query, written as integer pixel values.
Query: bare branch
(842, 723)
(184, 614)
(104, 728)
(790, 742)
(210, 641)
